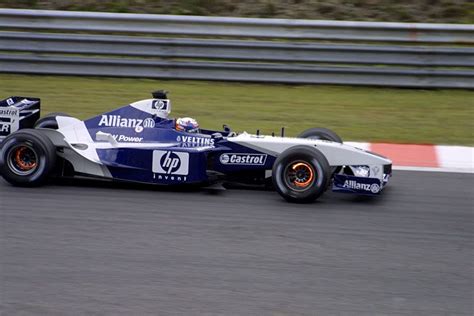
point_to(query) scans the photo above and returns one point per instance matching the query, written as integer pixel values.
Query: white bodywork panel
(75, 132)
(158, 107)
(337, 154)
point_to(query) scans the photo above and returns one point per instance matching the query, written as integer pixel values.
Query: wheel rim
(299, 175)
(22, 160)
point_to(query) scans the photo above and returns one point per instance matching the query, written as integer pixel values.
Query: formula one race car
(139, 143)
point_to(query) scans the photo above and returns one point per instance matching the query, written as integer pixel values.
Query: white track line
(457, 157)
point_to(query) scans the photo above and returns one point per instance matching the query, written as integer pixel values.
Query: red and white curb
(424, 157)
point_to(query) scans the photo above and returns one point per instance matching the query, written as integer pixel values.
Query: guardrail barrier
(237, 49)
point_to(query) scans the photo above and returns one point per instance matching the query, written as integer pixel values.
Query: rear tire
(301, 174)
(27, 158)
(49, 120)
(321, 133)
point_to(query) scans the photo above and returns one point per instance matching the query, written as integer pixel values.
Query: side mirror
(217, 136)
(226, 128)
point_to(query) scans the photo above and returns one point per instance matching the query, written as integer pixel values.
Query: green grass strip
(355, 113)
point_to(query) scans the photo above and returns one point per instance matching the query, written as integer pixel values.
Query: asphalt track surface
(93, 249)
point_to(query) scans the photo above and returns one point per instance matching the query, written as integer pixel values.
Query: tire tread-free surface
(91, 249)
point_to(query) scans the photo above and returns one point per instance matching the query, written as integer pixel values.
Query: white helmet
(187, 124)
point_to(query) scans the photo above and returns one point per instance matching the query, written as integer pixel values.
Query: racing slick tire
(27, 158)
(49, 120)
(301, 174)
(321, 133)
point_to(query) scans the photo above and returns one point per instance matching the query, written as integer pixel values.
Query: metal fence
(267, 50)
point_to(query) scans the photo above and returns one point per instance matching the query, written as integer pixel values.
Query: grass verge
(355, 113)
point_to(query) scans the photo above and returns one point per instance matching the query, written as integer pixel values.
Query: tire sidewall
(46, 159)
(317, 161)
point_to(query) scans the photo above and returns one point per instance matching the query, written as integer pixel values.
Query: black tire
(317, 169)
(27, 158)
(321, 133)
(49, 120)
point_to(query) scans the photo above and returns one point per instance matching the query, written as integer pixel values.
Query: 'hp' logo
(159, 105)
(170, 162)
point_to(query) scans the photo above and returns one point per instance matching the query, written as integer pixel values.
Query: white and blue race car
(140, 143)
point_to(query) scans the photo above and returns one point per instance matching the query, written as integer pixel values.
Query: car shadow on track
(216, 190)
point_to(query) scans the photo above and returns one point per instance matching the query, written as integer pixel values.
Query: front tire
(321, 133)
(301, 174)
(27, 158)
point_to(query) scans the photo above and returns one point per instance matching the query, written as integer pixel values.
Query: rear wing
(18, 113)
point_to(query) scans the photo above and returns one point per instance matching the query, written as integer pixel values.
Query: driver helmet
(187, 124)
